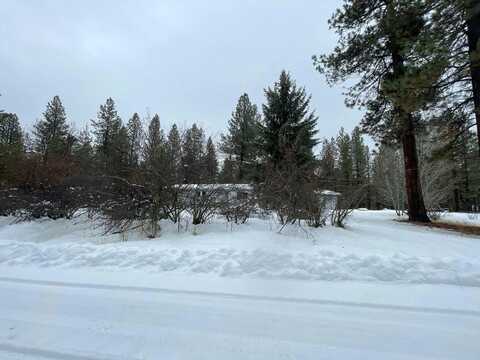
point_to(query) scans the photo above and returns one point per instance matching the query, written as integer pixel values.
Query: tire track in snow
(36, 353)
(233, 296)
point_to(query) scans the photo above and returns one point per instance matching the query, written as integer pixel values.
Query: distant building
(244, 191)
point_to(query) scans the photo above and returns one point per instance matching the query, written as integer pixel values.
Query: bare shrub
(349, 200)
(316, 211)
(238, 205)
(291, 192)
(202, 202)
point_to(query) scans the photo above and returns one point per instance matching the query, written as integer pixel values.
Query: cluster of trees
(137, 171)
(449, 170)
(417, 65)
(55, 151)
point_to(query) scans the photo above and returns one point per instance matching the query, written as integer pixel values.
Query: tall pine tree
(11, 147)
(288, 125)
(193, 155)
(83, 152)
(51, 133)
(345, 159)
(359, 157)
(106, 129)
(175, 154)
(135, 139)
(328, 164)
(240, 142)
(211, 162)
(380, 44)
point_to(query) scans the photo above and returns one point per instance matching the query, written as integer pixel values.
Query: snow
(371, 248)
(378, 289)
(461, 218)
(89, 315)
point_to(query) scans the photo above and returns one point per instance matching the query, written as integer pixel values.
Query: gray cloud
(187, 60)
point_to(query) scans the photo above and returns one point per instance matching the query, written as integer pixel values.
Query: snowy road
(42, 319)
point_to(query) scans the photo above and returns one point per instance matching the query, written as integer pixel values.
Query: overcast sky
(188, 61)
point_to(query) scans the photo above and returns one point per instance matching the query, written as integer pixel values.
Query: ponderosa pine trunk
(416, 205)
(473, 34)
(415, 202)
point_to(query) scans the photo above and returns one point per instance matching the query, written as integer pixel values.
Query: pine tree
(455, 35)
(11, 147)
(359, 157)
(156, 173)
(211, 162)
(381, 44)
(154, 145)
(52, 131)
(135, 139)
(119, 159)
(328, 164)
(345, 160)
(106, 129)
(193, 154)
(288, 125)
(228, 174)
(175, 153)
(83, 152)
(11, 134)
(240, 142)
(459, 147)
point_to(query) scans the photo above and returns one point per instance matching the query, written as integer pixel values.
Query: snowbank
(372, 248)
(461, 218)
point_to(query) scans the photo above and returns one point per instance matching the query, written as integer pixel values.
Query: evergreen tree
(193, 154)
(288, 125)
(154, 144)
(455, 36)
(106, 129)
(175, 153)
(240, 143)
(459, 147)
(359, 157)
(83, 152)
(11, 147)
(119, 159)
(328, 164)
(345, 160)
(381, 43)
(135, 139)
(156, 175)
(211, 162)
(11, 134)
(51, 133)
(227, 174)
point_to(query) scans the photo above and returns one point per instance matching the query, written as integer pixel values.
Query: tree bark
(416, 205)
(473, 35)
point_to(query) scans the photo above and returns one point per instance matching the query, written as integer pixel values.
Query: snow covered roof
(329, 193)
(245, 187)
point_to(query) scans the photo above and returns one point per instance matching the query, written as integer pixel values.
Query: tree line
(136, 170)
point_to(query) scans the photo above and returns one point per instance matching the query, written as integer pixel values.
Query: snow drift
(372, 248)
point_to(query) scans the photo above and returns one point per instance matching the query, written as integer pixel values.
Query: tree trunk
(416, 205)
(473, 34)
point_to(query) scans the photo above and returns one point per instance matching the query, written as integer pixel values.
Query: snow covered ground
(378, 289)
(461, 218)
(371, 248)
